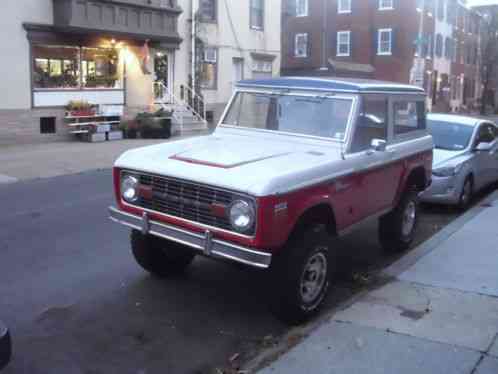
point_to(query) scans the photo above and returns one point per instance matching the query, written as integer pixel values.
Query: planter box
(82, 113)
(156, 128)
(96, 137)
(115, 135)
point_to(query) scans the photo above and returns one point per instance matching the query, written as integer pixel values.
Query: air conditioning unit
(210, 55)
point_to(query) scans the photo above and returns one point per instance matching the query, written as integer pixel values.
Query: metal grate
(186, 200)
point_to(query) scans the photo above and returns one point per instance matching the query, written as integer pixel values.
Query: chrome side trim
(204, 243)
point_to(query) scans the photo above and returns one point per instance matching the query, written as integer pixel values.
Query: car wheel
(397, 228)
(5, 346)
(160, 257)
(301, 275)
(466, 194)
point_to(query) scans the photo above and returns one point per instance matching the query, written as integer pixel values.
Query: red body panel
(352, 199)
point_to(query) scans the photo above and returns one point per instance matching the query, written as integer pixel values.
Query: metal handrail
(195, 100)
(166, 96)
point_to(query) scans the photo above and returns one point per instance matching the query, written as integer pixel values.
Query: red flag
(145, 57)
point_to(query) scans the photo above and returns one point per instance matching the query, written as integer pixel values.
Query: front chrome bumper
(204, 243)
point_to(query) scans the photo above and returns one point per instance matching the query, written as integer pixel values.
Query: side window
(372, 123)
(487, 134)
(408, 116)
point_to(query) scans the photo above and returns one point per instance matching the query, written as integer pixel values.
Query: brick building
(378, 39)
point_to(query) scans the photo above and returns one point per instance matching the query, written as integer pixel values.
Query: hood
(249, 161)
(442, 157)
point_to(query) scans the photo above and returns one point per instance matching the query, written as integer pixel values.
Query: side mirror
(483, 147)
(378, 145)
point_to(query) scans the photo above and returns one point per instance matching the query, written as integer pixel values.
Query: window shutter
(291, 7)
(375, 37)
(308, 45)
(394, 36)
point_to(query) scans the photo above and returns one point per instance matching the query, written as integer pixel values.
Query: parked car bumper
(443, 190)
(202, 242)
(5, 346)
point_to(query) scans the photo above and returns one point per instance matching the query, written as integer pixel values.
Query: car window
(450, 136)
(307, 115)
(486, 134)
(409, 116)
(372, 123)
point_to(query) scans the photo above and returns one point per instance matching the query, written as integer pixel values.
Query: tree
(489, 56)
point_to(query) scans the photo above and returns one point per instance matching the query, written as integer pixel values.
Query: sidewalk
(436, 312)
(21, 162)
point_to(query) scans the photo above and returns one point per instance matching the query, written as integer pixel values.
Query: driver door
(379, 175)
(486, 162)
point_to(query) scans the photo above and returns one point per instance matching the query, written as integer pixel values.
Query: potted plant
(156, 125)
(80, 108)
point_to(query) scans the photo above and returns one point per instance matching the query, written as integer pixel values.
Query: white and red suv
(293, 163)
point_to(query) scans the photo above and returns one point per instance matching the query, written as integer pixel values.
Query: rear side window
(409, 116)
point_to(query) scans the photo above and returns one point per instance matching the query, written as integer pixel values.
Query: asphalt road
(77, 303)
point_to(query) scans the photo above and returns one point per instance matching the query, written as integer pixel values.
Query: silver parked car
(465, 158)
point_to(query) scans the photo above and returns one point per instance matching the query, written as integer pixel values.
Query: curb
(432, 243)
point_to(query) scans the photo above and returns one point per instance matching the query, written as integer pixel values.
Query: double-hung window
(344, 6)
(384, 41)
(386, 4)
(208, 10)
(301, 45)
(257, 14)
(343, 43)
(301, 8)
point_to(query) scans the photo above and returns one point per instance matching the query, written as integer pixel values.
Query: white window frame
(296, 38)
(338, 51)
(379, 42)
(382, 5)
(340, 6)
(306, 7)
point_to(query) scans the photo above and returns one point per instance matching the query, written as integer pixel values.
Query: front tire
(466, 195)
(301, 275)
(160, 257)
(397, 228)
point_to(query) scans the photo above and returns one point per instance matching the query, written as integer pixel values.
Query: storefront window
(60, 67)
(55, 67)
(99, 68)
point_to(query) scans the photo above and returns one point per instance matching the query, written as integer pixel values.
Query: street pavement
(77, 302)
(24, 162)
(435, 311)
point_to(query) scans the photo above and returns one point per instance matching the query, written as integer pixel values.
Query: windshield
(317, 116)
(450, 136)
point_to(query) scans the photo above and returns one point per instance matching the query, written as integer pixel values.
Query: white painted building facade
(112, 52)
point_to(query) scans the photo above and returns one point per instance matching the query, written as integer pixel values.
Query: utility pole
(194, 31)
(324, 66)
(417, 75)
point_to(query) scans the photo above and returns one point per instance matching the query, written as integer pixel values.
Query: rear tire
(160, 257)
(397, 228)
(301, 275)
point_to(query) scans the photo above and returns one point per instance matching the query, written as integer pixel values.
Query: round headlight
(129, 188)
(241, 215)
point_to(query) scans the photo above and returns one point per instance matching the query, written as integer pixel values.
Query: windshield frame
(353, 97)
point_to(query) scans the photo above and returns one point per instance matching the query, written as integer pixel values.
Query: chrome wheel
(409, 217)
(314, 277)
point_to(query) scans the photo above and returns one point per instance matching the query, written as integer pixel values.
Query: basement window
(47, 125)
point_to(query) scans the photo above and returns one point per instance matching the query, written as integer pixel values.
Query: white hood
(248, 161)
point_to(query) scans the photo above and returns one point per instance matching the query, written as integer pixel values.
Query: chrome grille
(186, 200)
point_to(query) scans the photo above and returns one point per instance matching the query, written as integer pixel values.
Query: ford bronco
(293, 163)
